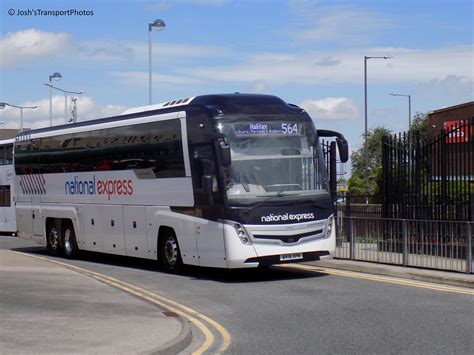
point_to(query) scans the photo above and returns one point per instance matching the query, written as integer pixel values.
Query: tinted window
(155, 145)
(6, 154)
(5, 198)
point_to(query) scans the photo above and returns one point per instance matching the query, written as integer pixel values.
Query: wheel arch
(163, 232)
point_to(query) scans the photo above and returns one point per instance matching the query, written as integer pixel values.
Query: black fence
(429, 178)
(329, 151)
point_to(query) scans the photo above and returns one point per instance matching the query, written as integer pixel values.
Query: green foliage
(419, 124)
(374, 150)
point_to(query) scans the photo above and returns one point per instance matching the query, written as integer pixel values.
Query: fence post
(469, 247)
(351, 239)
(405, 242)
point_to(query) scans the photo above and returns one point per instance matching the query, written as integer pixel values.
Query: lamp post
(159, 25)
(409, 107)
(51, 86)
(365, 131)
(56, 76)
(5, 104)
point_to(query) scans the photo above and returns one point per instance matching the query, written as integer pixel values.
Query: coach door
(207, 197)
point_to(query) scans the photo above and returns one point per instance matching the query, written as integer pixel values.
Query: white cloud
(87, 109)
(451, 86)
(259, 87)
(410, 65)
(331, 108)
(30, 45)
(336, 23)
(141, 79)
(27, 46)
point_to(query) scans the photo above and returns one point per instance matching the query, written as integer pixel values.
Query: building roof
(455, 107)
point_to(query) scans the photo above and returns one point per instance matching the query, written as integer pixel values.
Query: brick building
(453, 156)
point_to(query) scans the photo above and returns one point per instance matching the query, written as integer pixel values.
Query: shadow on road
(191, 272)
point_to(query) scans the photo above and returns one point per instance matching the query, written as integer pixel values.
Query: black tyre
(169, 253)
(69, 241)
(53, 239)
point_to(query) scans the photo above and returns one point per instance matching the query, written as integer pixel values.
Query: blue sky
(310, 53)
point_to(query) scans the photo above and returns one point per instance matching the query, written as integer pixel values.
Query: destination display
(267, 129)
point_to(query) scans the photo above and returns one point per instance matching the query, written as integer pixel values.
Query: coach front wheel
(69, 240)
(169, 253)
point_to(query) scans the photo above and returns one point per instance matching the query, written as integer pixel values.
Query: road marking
(154, 298)
(387, 279)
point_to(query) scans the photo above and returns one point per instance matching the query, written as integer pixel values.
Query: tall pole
(65, 107)
(365, 135)
(50, 103)
(55, 76)
(409, 112)
(149, 65)
(21, 119)
(4, 104)
(159, 25)
(65, 92)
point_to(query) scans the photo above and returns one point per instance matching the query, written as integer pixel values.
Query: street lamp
(51, 86)
(5, 104)
(409, 107)
(159, 25)
(365, 131)
(56, 76)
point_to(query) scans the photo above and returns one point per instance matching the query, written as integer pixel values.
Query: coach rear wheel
(53, 238)
(170, 255)
(69, 240)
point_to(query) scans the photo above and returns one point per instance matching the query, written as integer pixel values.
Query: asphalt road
(283, 311)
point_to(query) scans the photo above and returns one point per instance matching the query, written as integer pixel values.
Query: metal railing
(441, 245)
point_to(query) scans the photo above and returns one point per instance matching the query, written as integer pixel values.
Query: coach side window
(8, 154)
(165, 154)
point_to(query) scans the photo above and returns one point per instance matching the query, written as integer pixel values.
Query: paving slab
(46, 308)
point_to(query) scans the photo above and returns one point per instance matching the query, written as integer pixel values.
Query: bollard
(405, 242)
(351, 239)
(469, 247)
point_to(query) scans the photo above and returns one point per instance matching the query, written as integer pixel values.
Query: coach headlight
(329, 226)
(241, 233)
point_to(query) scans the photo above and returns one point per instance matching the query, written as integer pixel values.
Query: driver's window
(203, 161)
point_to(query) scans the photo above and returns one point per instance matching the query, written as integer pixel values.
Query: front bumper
(269, 242)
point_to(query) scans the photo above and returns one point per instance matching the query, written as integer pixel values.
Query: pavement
(427, 275)
(46, 308)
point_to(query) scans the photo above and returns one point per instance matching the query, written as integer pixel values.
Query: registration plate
(294, 256)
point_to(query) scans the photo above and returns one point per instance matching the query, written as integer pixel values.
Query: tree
(358, 163)
(419, 125)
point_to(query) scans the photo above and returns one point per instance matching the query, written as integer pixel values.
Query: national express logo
(287, 217)
(108, 187)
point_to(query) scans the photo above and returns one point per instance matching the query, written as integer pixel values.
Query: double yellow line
(201, 321)
(386, 279)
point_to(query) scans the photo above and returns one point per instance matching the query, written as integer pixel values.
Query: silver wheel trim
(171, 251)
(68, 242)
(53, 238)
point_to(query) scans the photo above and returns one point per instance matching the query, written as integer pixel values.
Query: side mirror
(224, 148)
(343, 148)
(342, 144)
